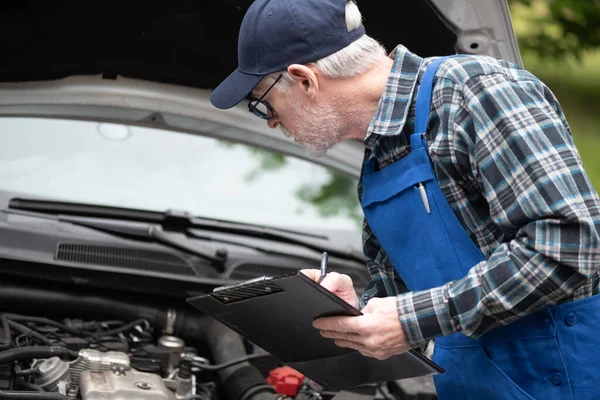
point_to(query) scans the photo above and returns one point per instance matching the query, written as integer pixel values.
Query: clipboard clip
(256, 287)
(248, 282)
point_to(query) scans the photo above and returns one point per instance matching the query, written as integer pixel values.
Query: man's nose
(274, 122)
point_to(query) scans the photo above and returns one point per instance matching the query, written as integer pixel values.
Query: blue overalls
(550, 354)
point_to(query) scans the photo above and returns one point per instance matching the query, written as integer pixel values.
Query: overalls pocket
(383, 185)
(403, 203)
(487, 380)
(391, 215)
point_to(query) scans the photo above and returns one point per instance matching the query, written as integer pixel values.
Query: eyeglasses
(260, 107)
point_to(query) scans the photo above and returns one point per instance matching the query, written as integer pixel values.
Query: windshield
(154, 169)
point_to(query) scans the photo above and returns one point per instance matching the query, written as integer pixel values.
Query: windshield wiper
(136, 231)
(153, 233)
(182, 222)
(174, 218)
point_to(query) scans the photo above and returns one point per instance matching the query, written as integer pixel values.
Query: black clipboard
(276, 313)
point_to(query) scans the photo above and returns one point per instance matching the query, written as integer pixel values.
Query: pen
(424, 198)
(324, 259)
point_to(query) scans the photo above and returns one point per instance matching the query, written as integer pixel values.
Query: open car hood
(154, 63)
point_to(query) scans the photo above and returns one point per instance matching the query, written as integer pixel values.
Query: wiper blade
(184, 222)
(149, 232)
(268, 234)
(174, 219)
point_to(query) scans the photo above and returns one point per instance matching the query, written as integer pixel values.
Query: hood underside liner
(181, 42)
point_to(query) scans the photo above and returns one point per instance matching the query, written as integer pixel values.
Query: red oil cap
(285, 380)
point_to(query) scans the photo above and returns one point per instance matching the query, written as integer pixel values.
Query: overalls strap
(424, 104)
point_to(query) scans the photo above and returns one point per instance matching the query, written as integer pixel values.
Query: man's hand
(376, 334)
(339, 284)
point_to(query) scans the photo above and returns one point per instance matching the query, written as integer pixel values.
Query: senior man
(481, 226)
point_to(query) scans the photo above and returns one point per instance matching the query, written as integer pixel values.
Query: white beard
(316, 128)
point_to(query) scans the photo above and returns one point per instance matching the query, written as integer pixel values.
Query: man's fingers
(339, 324)
(313, 274)
(373, 305)
(354, 337)
(333, 281)
(338, 283)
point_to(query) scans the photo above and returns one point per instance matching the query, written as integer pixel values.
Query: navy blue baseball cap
(278, 33)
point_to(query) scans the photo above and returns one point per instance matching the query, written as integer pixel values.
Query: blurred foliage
(268, 161)
(558, 28)
(336, 196)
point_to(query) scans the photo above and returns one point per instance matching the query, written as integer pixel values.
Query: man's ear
(306, 77)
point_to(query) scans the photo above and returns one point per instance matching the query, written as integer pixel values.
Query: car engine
(86, 340)
(41, 358)
(68, 342)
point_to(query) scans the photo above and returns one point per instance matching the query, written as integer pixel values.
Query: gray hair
(348, 62)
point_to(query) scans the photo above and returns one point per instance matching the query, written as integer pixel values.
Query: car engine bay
(90, 309)
(73, 352)
(66, 342)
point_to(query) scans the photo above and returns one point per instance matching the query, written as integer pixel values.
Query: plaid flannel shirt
(505, 160)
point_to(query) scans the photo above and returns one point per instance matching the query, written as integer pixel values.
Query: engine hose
(245, 383)
(30, 352)
(28, 386)
(121, 329)
(10, 394)
(26, 331)
(264, 391)
(66, 301)
(211, 367)
(7, 333)
(242, 380)
(46, 321)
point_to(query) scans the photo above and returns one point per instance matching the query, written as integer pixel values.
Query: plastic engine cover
(123, 385)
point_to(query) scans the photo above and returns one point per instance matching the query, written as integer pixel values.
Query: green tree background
(559, 42)
(557, 29)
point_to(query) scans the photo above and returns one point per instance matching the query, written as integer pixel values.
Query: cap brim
(233, 89)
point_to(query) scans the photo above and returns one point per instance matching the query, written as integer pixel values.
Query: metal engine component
(174, 346)
(51, 372)
(123, 385)
(185, 381)
(185, 387)
(98, 361)
(171, 319)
